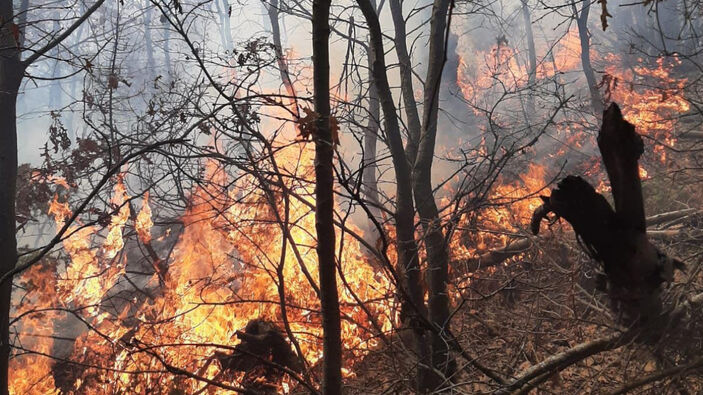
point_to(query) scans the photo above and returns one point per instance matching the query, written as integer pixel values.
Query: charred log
(263, 352)
(616, 238)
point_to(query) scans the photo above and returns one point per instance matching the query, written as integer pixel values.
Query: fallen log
(498, 256)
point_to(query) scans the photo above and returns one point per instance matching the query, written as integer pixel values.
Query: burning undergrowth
(233, 262)
(241, 262)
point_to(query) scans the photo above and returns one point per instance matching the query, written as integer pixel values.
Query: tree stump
(617, 238)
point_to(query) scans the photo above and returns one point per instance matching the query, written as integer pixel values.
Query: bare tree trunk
(324, 209)
(582, 23)
(10, 77)
(11, 71)
(435, 243)
(532, 55)
(21, 23)
(273, 13)
(414, 311)
(225, 28)
(149, 42)
(370, 137)
(406, 80)
(167, 49)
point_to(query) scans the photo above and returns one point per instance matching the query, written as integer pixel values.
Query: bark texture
(414, 311)
(435, 243)
(11, 71)
(324, 209)
(406, 80)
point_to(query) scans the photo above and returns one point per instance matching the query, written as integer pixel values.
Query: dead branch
(662, 374)
(497, 256)
(558, 362)
(671, 216)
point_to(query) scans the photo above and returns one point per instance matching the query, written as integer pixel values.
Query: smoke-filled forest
(351, 197)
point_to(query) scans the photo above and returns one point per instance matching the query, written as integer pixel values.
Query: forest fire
(502, 67)
(219, 278)
(651, 98)
(474, 198)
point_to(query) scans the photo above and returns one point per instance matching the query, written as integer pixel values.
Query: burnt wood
(617, 238)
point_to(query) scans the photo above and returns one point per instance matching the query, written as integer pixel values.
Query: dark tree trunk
(324, 209)
(435, 243)
(414, 311)
(21, 21)
(635, 269)
(582, 23)
(406, 80)
(11, 71)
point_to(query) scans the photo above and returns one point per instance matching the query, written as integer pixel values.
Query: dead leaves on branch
(307, 126)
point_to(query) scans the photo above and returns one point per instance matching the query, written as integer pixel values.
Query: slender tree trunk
(532, 55)
(406, 80)
(167, 49)
(582, 23)
(324, 209)
(225, 28)
(11, 71)
(149, 42)
(435, 244)
(273, 13)
(369, 177)
(414, 310)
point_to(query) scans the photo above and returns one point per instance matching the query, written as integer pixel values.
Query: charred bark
(369, 176)
(263, 350)
(617, 238)
(324, 208)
